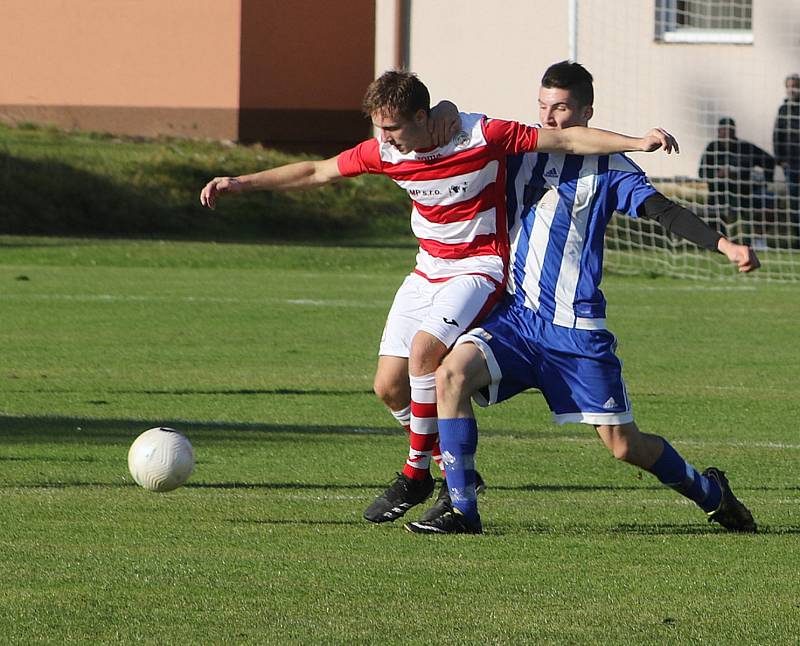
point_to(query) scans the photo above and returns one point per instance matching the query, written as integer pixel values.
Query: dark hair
(726, 122)
(568, 75)
(397, 92)
(792, 77)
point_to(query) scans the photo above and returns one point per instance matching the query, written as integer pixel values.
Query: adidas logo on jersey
(551, 172)
(611, 403)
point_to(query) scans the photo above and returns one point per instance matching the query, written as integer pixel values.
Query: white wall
(489, 57)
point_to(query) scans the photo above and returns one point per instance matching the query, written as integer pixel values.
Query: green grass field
(263, 356)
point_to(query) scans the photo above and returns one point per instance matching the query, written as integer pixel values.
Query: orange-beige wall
(304, 68)
(234, 69)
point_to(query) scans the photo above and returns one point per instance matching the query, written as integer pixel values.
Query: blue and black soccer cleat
(452, 521)
(442, 503)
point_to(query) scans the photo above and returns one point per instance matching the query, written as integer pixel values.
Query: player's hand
(219, 186)
(443, 122)
(741, 255)
(659, 138)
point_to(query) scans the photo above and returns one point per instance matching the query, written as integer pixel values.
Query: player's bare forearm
(305, 174)
(579, 140)
(300, 175)
(741, 255)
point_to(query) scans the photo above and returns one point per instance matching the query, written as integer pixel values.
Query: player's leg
(462, 372)
(654, 454)
(466, 362)
(456, 304)
(424, 428)
(392, 387)
(708, 490)
(474, 368)
(427, 352)
(628, 444)
(582, 382)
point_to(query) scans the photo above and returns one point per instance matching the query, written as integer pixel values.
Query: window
(704, 21)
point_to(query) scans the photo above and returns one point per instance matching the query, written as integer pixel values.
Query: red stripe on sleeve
(511, 136)
(363, 158)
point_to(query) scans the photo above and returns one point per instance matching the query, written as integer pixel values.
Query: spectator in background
(786, 141)
(727, 165)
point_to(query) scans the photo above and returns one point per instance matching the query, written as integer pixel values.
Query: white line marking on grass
(734, 444)
(691, 288)
(742, 445)
(114, 298)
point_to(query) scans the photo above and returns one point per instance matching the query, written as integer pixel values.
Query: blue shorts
(577, 371)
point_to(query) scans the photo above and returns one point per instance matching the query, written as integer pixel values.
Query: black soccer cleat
(731, 513)
(398, 498)
(451, 521)
(443, 502)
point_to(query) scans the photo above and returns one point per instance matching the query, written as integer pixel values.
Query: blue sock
(677, 473)
(458, 440)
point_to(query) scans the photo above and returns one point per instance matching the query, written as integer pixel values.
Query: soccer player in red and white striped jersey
(457, 191)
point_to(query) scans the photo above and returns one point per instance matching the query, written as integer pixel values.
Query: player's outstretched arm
(305, 174)
(680, 221)
(578, 140)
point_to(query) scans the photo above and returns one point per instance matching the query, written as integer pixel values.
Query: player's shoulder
(364, 157)
(471, 135)
(503, 126)
(365, 147)
(473, 130)
(620, 162)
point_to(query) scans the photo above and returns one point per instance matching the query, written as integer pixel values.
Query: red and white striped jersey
(458, 194)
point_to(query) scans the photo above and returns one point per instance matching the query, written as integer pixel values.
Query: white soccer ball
(161, 459)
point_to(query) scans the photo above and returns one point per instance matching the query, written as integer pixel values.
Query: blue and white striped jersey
(558, 208)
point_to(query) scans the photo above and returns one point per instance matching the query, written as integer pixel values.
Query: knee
(393, 394)
(621, 450)
(426, 354)
(450, 382)
(418, 364)
(622, 443)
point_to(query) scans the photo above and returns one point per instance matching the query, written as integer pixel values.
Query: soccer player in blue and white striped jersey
(550, 333)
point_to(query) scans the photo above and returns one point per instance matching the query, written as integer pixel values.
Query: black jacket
(786, 134)
(738, 158)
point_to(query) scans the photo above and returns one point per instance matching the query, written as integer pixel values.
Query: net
(716, 73)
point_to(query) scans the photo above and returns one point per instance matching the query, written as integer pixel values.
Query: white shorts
(445, 309)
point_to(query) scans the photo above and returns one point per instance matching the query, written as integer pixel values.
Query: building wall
(486, 61)
(490, 59)
(137, 67)
(304, 67)
(286, 73)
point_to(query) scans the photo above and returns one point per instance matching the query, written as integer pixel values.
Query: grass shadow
(58, 429)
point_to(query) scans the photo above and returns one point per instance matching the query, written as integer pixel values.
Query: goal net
(715, 73)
